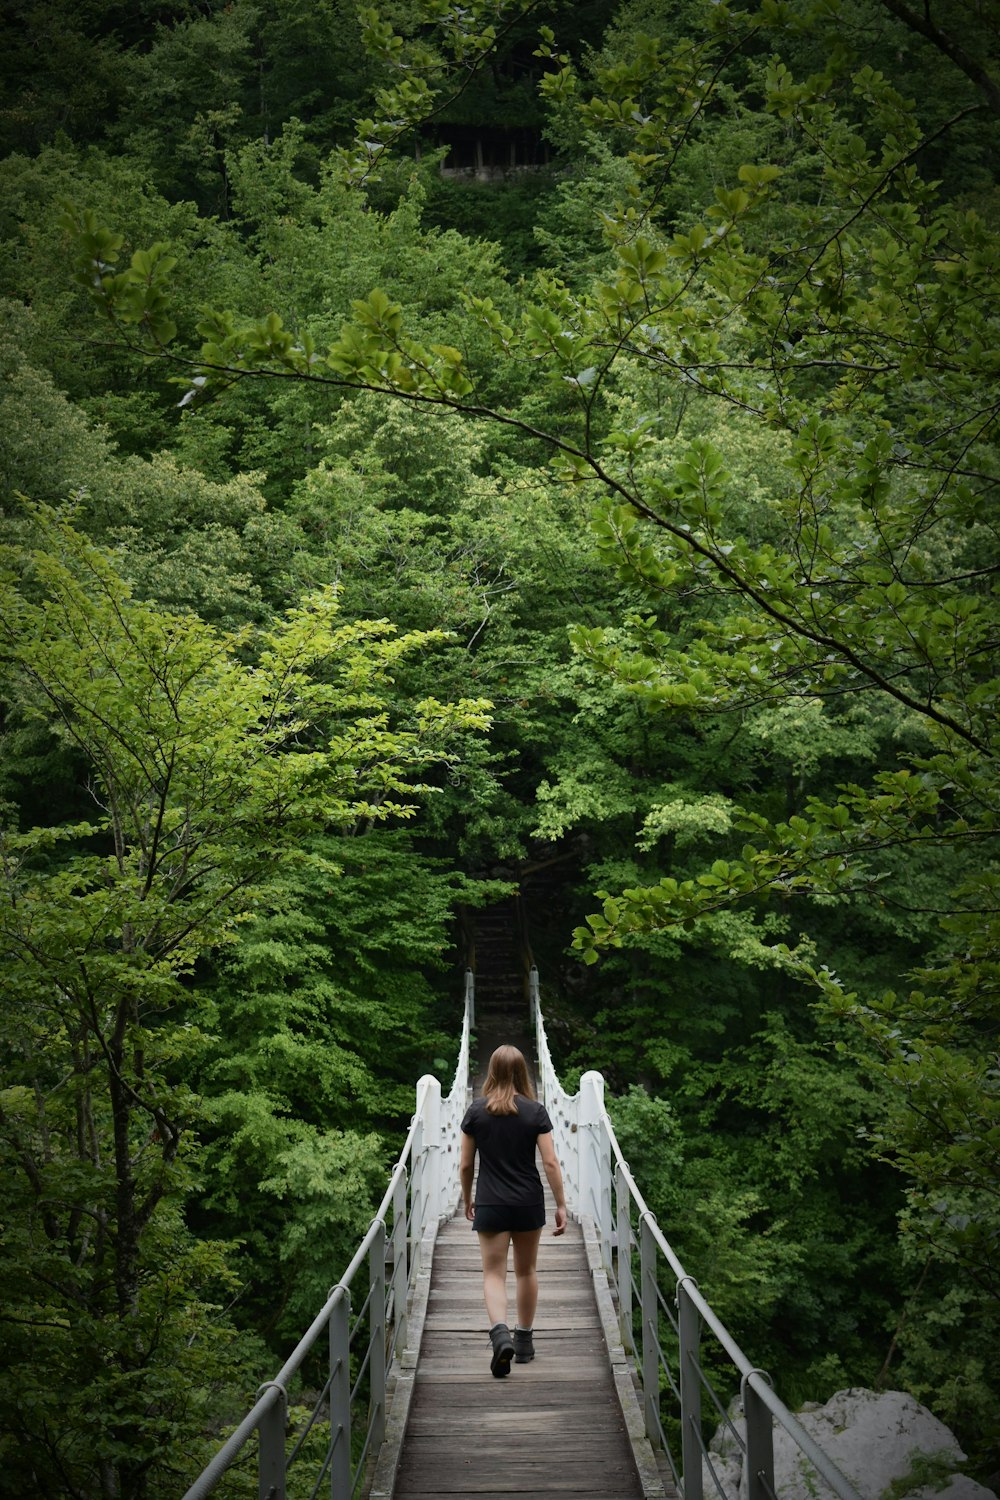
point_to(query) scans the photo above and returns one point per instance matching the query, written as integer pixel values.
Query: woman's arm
(553, 1172)
(466, 1171)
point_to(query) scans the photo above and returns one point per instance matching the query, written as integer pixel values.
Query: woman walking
(504, 1126)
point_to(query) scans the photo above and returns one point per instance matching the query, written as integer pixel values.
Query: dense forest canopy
(447, 449)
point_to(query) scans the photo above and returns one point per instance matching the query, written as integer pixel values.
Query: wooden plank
(574, 1292)
(582, 1482)
(579, 1365)
(529, 1394)
(461, 1260)
(569, 1397)
(502, 1469)
(573, 1354)
(610, 1486)
(471, 1296)
(571, 1421)
(452, 1323)
(440, 1374)
(513, 1468)
(607, 1492)
(475, 1445)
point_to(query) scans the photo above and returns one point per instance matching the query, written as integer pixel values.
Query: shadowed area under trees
(622, 528)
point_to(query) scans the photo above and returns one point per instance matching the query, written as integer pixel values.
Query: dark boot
(503, 1350)
(524, 1346)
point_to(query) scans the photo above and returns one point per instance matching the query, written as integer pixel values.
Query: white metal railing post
(623, 1234)
(689, 1341)
(426, 1150)
(340, 1395)
(593, 1197)
(650, 1329)
(429, 1109)
(271, 1446)
(376, 1327)
(451, 1110)
(760, 1441)
(418, 1176)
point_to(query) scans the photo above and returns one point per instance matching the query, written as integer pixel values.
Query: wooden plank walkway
(553, 1427)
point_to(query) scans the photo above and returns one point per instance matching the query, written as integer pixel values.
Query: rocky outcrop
(887, 1444)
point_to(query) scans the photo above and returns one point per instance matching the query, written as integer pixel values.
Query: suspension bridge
(617, 1401)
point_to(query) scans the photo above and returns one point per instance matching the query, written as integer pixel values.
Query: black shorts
(494, 1218)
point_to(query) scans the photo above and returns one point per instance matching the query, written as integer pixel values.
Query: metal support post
(623, 1226)
(271, 1450)
(427, 1149)
(340, 1395)
(604, 1161)
(400, 1259)
(689, 1335)
(650, 1330)
(760, 1440)
(376, 1324)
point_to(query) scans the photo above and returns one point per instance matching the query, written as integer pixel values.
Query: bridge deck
(551, 1427)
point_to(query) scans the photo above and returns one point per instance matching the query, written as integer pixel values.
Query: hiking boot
(524, 1346)
(503, 1350)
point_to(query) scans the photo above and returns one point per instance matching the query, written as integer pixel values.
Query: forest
(455, 450)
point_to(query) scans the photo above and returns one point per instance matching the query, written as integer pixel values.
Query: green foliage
(417, 63)
(211, 547)
(207, 758)
(928, 1470)
(33, 271)
(505, 212)
(709, 1219)
(947, 1358)
(321, 1017)
(758, 1174)
(704, 505)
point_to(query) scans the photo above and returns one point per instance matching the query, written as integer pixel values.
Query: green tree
(848, 323)
(322, 1016)
(204, 758)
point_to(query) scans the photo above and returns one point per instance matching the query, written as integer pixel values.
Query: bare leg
(525, 1258)
(493, 1248)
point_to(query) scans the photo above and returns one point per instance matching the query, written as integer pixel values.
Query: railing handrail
(431, 1199)
(753, 1380)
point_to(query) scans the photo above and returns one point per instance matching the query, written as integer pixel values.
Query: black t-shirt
(508, 1176)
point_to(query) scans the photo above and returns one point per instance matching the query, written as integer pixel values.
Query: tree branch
(973, 70)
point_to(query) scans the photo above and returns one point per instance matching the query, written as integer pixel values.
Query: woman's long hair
(506, 1076)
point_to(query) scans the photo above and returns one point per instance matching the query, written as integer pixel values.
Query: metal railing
(664, 1332)
(362, 1342)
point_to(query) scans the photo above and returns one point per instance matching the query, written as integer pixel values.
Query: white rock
(730, 1437)
(727, 1473)
(873, 1437)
